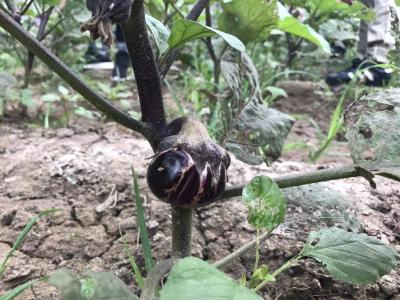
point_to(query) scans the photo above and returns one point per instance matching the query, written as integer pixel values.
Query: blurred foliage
(215, 77)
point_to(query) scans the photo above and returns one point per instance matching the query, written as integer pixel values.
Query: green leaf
(6, 80)
(50, 2)
(255, 132)
(184, 31)
(373, 132)
(63, 90)
(50, 98)
(141, 220)
(138, 275)
(192, 278)
(159, 32)
(26, 98)
(260, 275)
(81, 111)
(323, 205)
(67, 282)
(289, 24)
(81, 15)
(351, 257)
(266, 203)
(90, 286)
(276, 92)
(250, 20)
(268, 127)
(326, 8)
(109, 286)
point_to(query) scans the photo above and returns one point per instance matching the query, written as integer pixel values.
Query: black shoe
(96, 54)
(376, 76)
(344, 76)
(367, 73)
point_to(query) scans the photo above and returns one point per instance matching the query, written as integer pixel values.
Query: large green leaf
(255, 132)
(351, 257)
(288, 23)
(50, 2)
(266, 203)
(184, 31)
(373, 132)
(259, 125)
(159, 32)
(329, 7)
(249, 20)
(193, 278)
(90, 286)
(323, 204)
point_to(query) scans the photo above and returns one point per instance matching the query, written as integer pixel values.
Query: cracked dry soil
(85, 172)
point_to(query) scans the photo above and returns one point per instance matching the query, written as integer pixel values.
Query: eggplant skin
(189, 170)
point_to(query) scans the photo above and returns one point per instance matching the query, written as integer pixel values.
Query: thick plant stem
(145, 67)
(307, 178)
(181, 231)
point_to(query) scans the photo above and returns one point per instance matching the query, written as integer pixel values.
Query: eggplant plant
(190, 170)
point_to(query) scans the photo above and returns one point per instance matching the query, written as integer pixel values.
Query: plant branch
(50, 30)
(308, 178)
(44, 19)
(15, 13)
(242, 250)
(193, 15)
(26, 7)
(282, 268)
(145, 68)
(211, 52)
(55, 64)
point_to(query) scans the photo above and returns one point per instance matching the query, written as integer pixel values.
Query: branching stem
(307, 178)
(145, 68)
(242, 250)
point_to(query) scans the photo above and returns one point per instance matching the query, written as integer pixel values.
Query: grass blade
(144, 237)
(18, 290)
(21, 237)
(138, 276)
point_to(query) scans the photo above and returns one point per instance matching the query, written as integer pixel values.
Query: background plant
(337, 249)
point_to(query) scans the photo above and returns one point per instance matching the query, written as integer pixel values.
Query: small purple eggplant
(189, 170)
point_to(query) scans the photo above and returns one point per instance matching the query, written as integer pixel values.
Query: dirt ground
(85, 171)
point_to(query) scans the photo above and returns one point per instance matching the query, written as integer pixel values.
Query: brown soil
(85, 172)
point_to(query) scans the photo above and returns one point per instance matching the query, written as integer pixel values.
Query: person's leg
(379, 38)
(375, 42)
(362, 45)
(95, 54)
(122, 57)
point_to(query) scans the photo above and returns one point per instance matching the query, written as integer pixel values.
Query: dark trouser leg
(122, 57)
